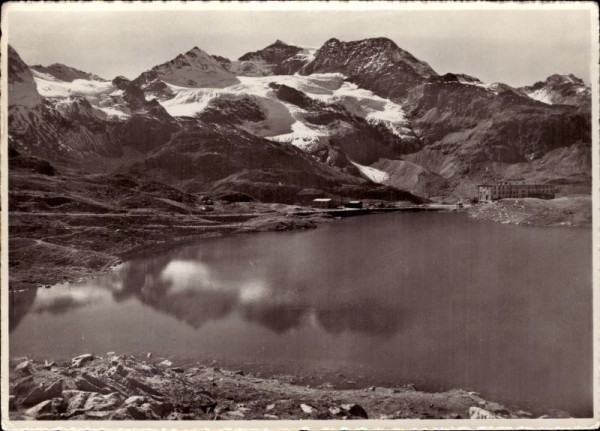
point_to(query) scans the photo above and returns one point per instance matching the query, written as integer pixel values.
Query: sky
(517, 46)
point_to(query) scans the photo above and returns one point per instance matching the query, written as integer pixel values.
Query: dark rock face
(22, 90)
(132, 93)
(298, 98)
(376, 64)
(234, 110)
(18, 71)
(66, 73)
(224, 62)
(273, 54)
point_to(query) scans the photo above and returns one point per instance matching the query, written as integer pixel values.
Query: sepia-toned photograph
(287, 215)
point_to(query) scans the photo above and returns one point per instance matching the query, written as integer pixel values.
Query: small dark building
(323, 203)
(353, 204)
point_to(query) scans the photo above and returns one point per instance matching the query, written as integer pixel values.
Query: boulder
(81, 359)
(234, 415)
(24, 367)
(335, 411)
(81, 402)
(161, 409)
(355, 410)
(35, 396)
(135, 384)
(307, 409)
(136, 400)
(270, 407)
(54, 390)
(268, 416)
(98, 402)
(479, 413)
(59, 405)
(165, 363)
(143, 412)
(86, 385)
(120, 370)
(496, 408)
(102, 415)
(49, 365)
(94, 380)
(42, 409)
(23, 386)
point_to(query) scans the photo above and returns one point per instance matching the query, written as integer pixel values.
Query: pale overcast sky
(515, 46)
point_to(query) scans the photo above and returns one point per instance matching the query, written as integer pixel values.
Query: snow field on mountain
(51, 87)
(328, 88)
(375, 175)
(541, 95)
(102, 95)
(284, 121)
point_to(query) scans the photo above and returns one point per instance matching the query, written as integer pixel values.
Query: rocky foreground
(115, 387)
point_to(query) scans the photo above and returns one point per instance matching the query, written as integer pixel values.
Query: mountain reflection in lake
(434, 299)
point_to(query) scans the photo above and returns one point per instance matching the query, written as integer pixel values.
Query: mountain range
(361, 119)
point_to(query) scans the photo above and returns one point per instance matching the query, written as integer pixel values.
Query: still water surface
(438, 300)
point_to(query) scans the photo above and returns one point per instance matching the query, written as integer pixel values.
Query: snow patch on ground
(373, 174)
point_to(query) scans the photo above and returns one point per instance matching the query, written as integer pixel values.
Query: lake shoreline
(93, 244)
(111, 386)
(87, 251)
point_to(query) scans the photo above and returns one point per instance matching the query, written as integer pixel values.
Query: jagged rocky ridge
(363, 111)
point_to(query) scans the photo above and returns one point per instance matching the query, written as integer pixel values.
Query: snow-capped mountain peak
(560, 89)
(195, 68)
